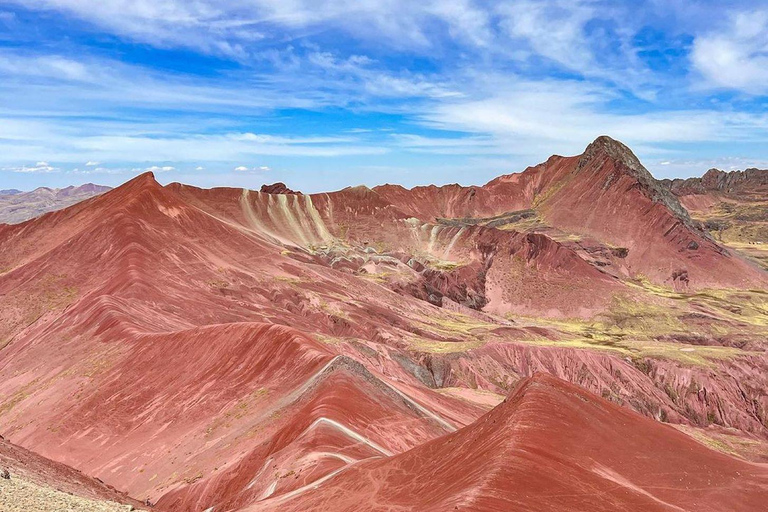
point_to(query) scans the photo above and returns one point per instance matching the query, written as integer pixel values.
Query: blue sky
(323, 94)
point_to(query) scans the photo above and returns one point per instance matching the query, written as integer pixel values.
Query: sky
(323, 94)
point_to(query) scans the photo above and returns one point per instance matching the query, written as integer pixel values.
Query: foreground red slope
(549, 447)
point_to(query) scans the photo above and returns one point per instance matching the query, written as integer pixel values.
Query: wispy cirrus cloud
(528, 118)
(231, 28)
(191, 147)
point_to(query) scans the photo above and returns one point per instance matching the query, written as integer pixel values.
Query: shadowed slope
(549, 447)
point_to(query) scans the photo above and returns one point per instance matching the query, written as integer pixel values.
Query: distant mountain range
(17, 206)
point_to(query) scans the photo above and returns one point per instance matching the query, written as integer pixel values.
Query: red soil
(156, 360)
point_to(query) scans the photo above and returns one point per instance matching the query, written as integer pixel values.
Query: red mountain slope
(549, 447)
(732, 206)
(143, 346)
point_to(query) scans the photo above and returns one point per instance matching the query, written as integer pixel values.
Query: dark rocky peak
(624, 160)
(278, 188)
(616, 151)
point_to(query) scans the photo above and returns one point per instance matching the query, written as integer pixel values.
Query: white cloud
(71, 141)
(736, 56)
(39, 167)
(43, 66)
(553, 29)
(243, 168)
(98, 170)
(157, 168)
(52, 83)
(199, 168)
(471, 145)
(91, 163)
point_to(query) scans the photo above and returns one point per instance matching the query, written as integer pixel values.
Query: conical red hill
(610, 196)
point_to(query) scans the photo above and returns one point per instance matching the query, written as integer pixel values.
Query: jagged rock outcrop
(743, 184)
(278, 188)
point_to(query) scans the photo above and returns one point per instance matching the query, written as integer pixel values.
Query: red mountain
(605, 194)
(229, 348)
(739, 184)
(732, 207)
